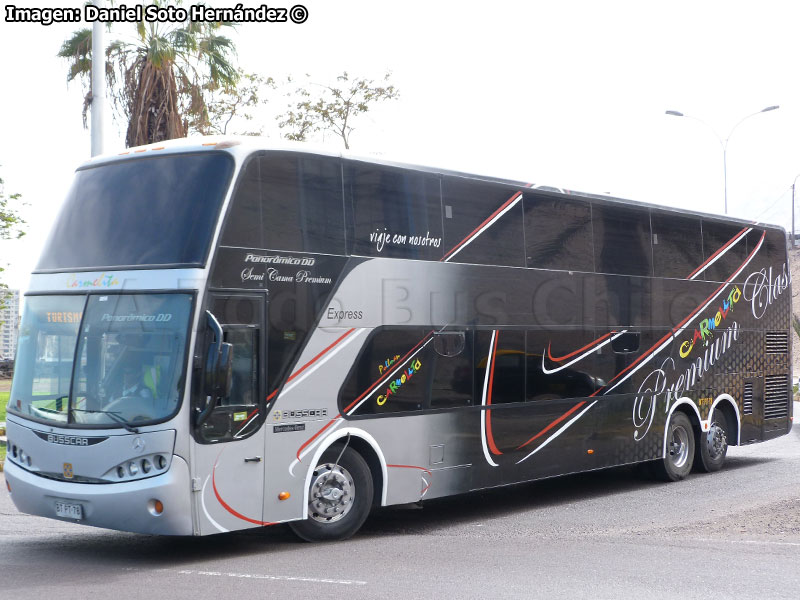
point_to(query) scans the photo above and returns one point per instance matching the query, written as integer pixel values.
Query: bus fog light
(161, 462)
(120, 472)
(22, 456)
(156, 507)
(132, 468)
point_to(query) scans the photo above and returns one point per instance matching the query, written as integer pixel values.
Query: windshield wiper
(114, 417)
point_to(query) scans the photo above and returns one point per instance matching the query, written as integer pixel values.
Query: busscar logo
(69, 440)
(68, 472)
(303, 413)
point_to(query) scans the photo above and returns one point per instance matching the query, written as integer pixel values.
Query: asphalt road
(733, 534)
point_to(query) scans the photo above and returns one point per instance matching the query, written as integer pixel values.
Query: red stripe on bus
(425, 489)
(553, 424)
(578, 351)
(357, 400)
(227, 507)
(710, 258)
(479, 227)
(315, 436)
(489, 435)
(312, 361)
(384, 377)
(682, 323)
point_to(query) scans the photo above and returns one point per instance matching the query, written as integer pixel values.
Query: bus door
(228, 464)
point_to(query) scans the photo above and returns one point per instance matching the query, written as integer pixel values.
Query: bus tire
(712, 446)
(677, 462)
(339, 497)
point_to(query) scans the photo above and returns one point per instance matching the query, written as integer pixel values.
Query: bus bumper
(123, 506)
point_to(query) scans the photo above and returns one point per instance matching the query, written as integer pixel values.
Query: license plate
(69, 511)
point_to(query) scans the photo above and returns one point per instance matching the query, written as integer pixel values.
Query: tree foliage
(11, 224)
(228, 106)
(159, 82)
(318, 107)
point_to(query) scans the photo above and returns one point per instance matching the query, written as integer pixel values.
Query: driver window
(244, 387)
(239, 414)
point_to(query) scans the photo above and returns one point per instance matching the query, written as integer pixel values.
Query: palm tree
(159, 82)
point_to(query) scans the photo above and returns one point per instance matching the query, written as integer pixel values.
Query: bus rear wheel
(677, 462)
(339, 497)
(712, 446)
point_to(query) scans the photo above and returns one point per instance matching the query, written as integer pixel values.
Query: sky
(571, 94)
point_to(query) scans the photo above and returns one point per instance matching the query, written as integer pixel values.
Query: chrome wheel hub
(679, 447)
(332, 493)
(717, 441)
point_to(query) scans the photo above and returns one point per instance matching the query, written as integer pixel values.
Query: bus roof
(242, 146)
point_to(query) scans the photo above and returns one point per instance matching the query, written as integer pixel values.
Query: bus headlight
(138, 468)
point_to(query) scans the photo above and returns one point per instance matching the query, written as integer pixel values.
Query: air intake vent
(776, 397)
(747, 399)
(777, 342)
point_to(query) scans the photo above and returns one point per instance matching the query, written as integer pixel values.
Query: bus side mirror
(218, 370)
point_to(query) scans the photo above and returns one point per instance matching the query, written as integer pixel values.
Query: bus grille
(777, 342)
(747, 400)
(776, 397)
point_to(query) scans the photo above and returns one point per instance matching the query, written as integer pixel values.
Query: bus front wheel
(677, 462)
(339, 497)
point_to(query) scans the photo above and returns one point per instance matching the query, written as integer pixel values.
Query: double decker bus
(221, 335)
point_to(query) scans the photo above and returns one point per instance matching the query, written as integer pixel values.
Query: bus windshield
(142, 212)
(101, 361)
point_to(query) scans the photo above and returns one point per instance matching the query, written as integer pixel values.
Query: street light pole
(98, 83)
(794, 184)
(723, 143)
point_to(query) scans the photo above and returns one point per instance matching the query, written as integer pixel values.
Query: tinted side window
(395, 213)
(622, 240)
(723, 239)
(558, 233)
(451, 363)
(243, 224)
(677, 245)
(482, 223)
(561, 363)
(392, 374)
(288, 202)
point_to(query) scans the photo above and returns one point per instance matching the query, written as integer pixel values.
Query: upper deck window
(395, 213)
(482, 223)
(622, 240)
(286, 201)
(558, 233)
(148, 211)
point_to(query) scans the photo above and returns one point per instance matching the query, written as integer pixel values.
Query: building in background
(9, 323)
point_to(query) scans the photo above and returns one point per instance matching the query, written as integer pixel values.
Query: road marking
(755, 542)
(271, 577)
